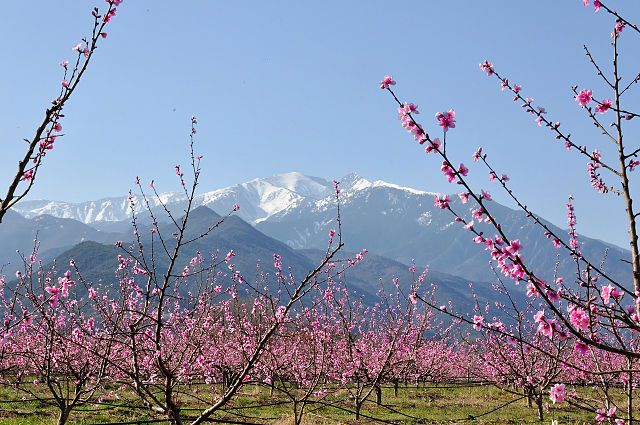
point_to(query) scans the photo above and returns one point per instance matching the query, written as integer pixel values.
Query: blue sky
(290, 85)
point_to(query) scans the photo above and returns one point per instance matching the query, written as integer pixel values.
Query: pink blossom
(407, 108)
(487, 67)
(463, 170)
(229, 256)
(464, 197)
(617, 29)
(442, 202)
(596, 4)
(93, 294)
(446, 120)
(605, 292)
(546, 329)
(616, 293)
(581, 347)
(478, 322)
(553, 295)
(477, 214)
(557, 393)
(579, 318)
(514, 247)
(539, 316)
(584, 97)
(47, 144)
(603, 414)
(448, 172)
(280, 313)
(65, 282)
(386, 82)
(433, 145)
(27, 175)
(55, 293)
(604, 106)
(477, 154)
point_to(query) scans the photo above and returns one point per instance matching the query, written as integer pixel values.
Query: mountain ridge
(394, 221)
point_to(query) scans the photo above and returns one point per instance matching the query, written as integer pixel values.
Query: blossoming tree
(593, 308)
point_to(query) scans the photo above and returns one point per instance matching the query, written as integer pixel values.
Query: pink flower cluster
(604, 106)
(610, 291)
(584, 98)
(571, 221)
(579, 317)
(487, 67)
(446, 120)
(557, 393)
(617, 29)
(386, 82)
(545, 327)
(408, 123)
(65, 282)
(604, 415)
(506, 255)
(596, 4)
(442, 201)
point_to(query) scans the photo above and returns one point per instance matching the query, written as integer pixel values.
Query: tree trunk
(630, 392)
(63, 417)
(297, 419)
(378, 394)
(395, 388)
(539, 405)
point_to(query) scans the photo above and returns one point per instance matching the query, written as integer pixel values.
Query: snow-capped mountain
(397, 222)
(258, 198)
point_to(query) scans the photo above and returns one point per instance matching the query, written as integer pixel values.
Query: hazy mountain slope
(19, 233)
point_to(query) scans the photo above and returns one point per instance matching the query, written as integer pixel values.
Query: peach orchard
(196, 333)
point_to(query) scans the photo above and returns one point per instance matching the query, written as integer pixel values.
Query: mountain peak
(205, 212)
(299, 183)
(353, 181)
(259, 199)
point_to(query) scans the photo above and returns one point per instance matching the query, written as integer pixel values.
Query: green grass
(420, 405)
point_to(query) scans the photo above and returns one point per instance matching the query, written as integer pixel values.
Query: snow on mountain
(397, 222)
(353, 182)
(258, 198)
